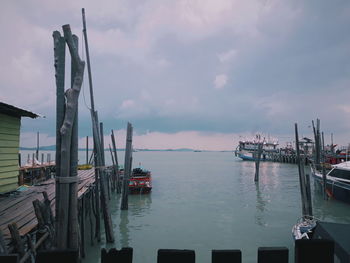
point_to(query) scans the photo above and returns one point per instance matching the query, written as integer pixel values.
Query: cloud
(220, 81)
(155, 63)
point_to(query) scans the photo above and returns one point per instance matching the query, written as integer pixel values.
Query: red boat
(140, 181)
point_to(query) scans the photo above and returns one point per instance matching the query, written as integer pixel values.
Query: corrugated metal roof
(16, 112)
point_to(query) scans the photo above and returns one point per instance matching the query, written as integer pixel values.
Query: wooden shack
(10, 124)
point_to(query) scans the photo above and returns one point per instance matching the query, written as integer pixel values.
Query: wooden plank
(10, 174)
(8, 150)
(13, 162)
(10, 180)
(9, 137)
(9, 143)
(9, 129)
(19, 208)
(7, 169)
(8, 156)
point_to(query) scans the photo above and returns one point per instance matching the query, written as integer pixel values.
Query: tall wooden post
(100, 170)
(37, 146)
(303, 180)
(127, 167)
(67, 179)
(113, 170)
(87, 149)
(98, 151)
(324, 176)
(116, 163)
(257, 161)
(104, 179)
(102, 144)
(59, 63)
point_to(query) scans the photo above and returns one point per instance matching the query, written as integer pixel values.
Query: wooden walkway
(18, 207)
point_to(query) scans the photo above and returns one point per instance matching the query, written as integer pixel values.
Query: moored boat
(304, 228)
(337, 181)
(140, 181)
(247, 149)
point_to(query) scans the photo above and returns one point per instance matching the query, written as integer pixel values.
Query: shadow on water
(260, 207)
(124, 229)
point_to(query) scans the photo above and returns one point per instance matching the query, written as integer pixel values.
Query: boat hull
(249, 157)
(334, 189)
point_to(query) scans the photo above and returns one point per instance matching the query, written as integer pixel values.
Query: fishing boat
(140, 181)
(337, 181)
(247, 149)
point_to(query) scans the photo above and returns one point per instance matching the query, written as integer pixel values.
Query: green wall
(9, 148)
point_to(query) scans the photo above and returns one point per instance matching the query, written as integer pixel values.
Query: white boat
(247, 149)
(337, 181)
(303, 229)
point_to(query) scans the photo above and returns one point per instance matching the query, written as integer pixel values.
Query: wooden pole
(127, 168)
(116, 163)
(97, 147)
(324, 176)
(37, 146)
(95, 130)
(88, 61)
(97, 176)
(67, 221)
(114, 170)
(73, 192)
(102, 144)
(87, 149)
(59, 63)
(100, 170)
(302, 180)
(257, 161)
(105, 176)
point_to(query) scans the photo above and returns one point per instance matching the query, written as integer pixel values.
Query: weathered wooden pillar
(303, 180)
(87, 149)
(37, 146)
(113, 170)
(105, 180)
(127, 167)
(116, 163)
(324, 176)
(67, 226)
(97, 150)
(59, 58)
(257, 161)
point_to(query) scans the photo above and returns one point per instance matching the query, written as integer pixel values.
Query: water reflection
(139, 205)
(260, 207)
(124, 229)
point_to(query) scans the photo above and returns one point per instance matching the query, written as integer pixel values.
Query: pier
(18, 211)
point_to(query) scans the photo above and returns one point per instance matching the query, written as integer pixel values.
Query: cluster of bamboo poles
(304, 179)
(67, 226)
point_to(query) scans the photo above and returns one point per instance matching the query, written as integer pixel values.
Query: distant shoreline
(53, 148)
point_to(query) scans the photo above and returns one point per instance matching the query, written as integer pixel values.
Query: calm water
(208, 200)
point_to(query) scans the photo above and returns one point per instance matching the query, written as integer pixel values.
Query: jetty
(18, 209)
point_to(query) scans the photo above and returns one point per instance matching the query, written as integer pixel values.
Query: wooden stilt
(127, 167)
(116, 163)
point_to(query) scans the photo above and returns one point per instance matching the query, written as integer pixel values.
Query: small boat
(140, 181)
(337, 181)
(246, 150)
(304, 228)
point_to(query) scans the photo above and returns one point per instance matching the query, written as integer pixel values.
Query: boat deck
(18, 208)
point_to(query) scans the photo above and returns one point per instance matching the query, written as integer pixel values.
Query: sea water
(209, 200)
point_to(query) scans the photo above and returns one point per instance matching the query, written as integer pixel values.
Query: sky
(198, 74)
